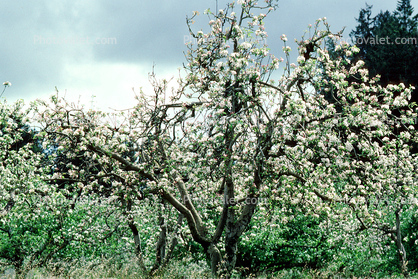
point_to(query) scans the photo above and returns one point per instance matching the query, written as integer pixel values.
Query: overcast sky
(45, 44)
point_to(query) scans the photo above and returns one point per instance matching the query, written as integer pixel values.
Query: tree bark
(162, 239)
(234, 231)
(137, 242)
(214, 257)
(230, 229)
(401, 249)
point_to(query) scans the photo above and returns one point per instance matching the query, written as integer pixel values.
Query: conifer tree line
(396, 59)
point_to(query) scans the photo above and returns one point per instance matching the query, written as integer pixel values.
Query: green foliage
(410, 231)
(284, 243)
(94, 234)
(28, 236)
(410, 236)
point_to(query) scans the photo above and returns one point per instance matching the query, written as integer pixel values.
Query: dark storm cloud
(26, 59)
(146, 31)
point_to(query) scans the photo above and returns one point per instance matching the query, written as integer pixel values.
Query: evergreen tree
(403, 13)
(363, 31)
(388, 44)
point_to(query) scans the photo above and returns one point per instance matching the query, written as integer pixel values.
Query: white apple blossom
(246, 45)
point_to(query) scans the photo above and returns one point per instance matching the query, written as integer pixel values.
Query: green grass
(175, 270)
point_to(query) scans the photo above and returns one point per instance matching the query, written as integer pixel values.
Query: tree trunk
(137, 242)
(401, 249)
(234, 231)
(162, 239)
(214, 257)
(174, 241)
(231, 241)
(231, 229)
(164, 256)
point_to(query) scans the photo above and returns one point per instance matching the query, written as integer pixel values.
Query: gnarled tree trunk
(401, 249)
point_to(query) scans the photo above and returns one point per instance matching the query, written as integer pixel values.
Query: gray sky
(49, 43)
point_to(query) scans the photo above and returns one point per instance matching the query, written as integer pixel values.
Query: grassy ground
(175, 270)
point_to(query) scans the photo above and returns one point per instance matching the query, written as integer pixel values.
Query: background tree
(394, 59)
(41, 223)
(21, 190)
(82, 169)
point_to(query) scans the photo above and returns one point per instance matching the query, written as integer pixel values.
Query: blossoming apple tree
(40, 221)
(230, 134)
(27, 202)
